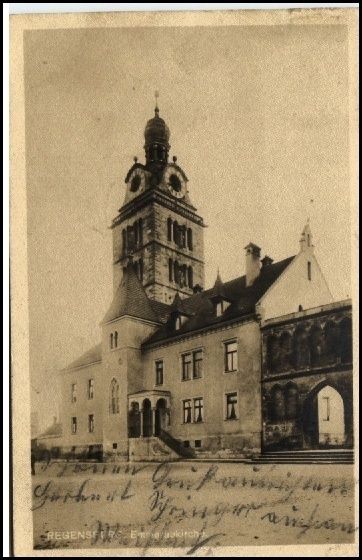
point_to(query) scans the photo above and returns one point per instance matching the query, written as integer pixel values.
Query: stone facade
(307, 379)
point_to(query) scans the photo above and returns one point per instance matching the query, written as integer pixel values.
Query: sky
(259, 122)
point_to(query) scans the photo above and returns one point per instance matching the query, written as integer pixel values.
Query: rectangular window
(159, 372)
(73, 393)
(186, 366)
(187, 409)
(197, 442)
(74, 425)
(197, 364)
(231, 356)
(90, 388)
(186, 443)
(199, 409)
(326, 409)
(115, 446)
(232, 406)
(91, 423)
(309, 270)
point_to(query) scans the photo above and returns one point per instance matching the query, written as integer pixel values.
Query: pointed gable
(131, 299)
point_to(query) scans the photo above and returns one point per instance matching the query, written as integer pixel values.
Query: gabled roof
(243, 300)
(131, 299)
(91, 356)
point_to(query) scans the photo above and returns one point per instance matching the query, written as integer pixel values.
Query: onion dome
(157, 131)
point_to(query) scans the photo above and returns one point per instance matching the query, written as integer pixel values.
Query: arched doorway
(147, 418)
(134, 421)
(160, 417)
(324, 423)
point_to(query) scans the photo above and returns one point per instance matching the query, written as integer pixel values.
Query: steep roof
(89, 357)
(243, 300)
(131, 299)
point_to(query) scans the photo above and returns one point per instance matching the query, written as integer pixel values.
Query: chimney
(266, 261)
(252, 261)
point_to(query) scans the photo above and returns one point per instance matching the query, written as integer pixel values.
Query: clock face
(175, 182)
(137, 181)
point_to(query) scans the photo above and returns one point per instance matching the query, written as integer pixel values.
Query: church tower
(158, 228)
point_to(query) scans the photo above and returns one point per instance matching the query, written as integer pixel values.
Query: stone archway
(134, 421)
(160, 416)
(324, 418)
(147, 418)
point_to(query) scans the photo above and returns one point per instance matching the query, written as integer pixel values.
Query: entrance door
(160, 416)
(331, 429)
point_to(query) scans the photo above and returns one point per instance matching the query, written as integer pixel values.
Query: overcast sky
(259, 122)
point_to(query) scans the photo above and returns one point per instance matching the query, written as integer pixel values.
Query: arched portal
(147, 418)
(160, 417)
(134, 421)
(324, 423)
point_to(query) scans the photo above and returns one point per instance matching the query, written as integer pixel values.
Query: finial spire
(157, 95)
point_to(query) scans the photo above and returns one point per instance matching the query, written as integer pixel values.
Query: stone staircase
(161, 448)
(313, 456)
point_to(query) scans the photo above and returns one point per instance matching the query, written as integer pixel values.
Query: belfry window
(189, 239)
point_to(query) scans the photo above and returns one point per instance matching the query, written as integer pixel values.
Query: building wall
(216, 433)
(156, 251)
(302, 354)
(293, 288)
(123, 364)
(82, 407)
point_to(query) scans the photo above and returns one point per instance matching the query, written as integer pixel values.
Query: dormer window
(221, 306)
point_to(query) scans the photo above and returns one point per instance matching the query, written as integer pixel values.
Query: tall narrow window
(74, 425)
(231, 406)
(114, 397)
(159, 372)
(73, 394)
(197, 364)
(176, 272)
(186, 366)
(115, 338)
(309, 270)
(176, 232)
(91, 423)
(326, 409)
(140, 231)
(178, 323)
(111, 341)
(190, 280)
(170, 270)
(187, 411)
(189, 239)
(231, 356)
(169, 229)
(90, 388)
(199, 409)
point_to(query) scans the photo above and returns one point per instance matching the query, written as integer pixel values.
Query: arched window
(346, 340)
(332, 342)
(176, 272)
(116, 339)
(189, 239)
(301, 349)
(170, 270)
(169, 229)
(317, 346)
(190, 275)
(111, 340)
(114, 397)
(273, 353)
(278, 403)
(285, 350)
(175, 232)
(291, 401)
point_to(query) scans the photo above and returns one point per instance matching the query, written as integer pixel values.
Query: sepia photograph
(183, 260)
